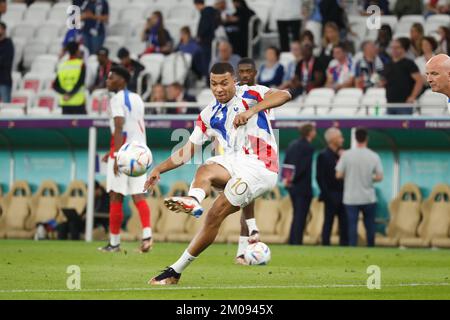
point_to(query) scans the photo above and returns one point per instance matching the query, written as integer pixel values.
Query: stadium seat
(432, 103)
(31, 50)
(23, 30)
(75, 197)
(25, 97)
(442, 19)
(182, 12)
(19, 44)
(58, 12)
(372, 98)
(136, 47)
(98, 103)
(122, 29)
(114, 43)
(46, 99)
(134, 227)
(345, 106)
(435, 224)
(45, 63)
(205, 97)
(405, 216)
(390, 20)
(17, 80)
(286, 58)
(153, 64)
(16, 212)
(37, 12)
(316, 29)
(48, 31)
(44, 204)
(171, 222)
(131, 13)
(319, 105)
(55, 47)
(118, 3)
(262, 10)
(36, 81)
(175, 68)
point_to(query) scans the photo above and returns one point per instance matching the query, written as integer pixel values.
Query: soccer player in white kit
(438, 75)
(127, 124)
(237, 118)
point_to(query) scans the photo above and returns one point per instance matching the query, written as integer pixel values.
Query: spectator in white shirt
(339, 72)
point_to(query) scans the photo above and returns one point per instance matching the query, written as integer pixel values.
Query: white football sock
(114, 239)
(243, 243)
(197, 193)
(182, 263)
(146, 233)
(251, 224)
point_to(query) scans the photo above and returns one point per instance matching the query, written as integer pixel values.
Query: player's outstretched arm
(275, 99)
(177, 159)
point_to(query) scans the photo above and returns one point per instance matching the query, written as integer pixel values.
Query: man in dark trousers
(209, 21)
(332, 189)
(300, 154)
(6, 65)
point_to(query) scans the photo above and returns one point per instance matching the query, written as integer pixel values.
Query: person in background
(133, 67)
(339, 71)
(225, 54)
(156, 36)
(382, 4)
(332, 189)
(101, 205)
(69, 82)
(368, 69)
(408, 7)
(271, 73)
(330, 39)
(95, 15)
(296, 50)
(209, 21)
(429, 46)
(309, 74)
(383, 43)
(444, 40)
(416, 36)
(360, 168)
(300, 154)
(158, 95)
(3, 8)
(6, 64)
(402, 78)
(176, 93)
(104, 67)
(236, 26)
(332, 11)
(188, 45)
(288, 15)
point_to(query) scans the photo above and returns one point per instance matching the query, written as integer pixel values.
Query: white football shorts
(122, 183)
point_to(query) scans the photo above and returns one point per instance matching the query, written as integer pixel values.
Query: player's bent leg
(205, 237)
(145, 217)
(207, 175)
(115, 222)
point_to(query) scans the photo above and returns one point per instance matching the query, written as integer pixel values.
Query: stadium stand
(75, 197)
(405, 216)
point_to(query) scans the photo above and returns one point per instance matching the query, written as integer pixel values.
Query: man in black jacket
(6, 64)
(134, 68)
(300, 154)
(332, 189)
(209, 21)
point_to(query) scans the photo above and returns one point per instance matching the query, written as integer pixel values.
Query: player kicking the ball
(237, 118)
(127, 124)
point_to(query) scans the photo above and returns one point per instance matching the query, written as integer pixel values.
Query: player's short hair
(361, 134)
(222, 68)
(404, 42)
(247, 60)
(72, 47)
(121, 72)
(306, 129)
(123, 53)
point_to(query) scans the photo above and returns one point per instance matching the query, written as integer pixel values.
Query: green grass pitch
(37, 270)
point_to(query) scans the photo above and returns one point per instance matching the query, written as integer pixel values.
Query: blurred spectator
(271, 73)
(330, 39)
(429, 46)
(360, 167)
(95, 15)
(307, 36)
(300, 154)
(310, 73)
(407, 7)
(444, 40)
(101, 205)
(6, 64)
(209, 21)
(188, 45)
(158, 95)
(69, 82)
(247, 72)
(332, 11)
(104, 67)
(296, 50)
(3, 8)
(339, 71)
(416, 36)
(225, 54)
(176, 93)
(287, 14)
(74, 35)
(369, 68)
(382, 4)
(237, 27)
(156, 36)
(133, 67)
(383, 43)
(403, 80)
(437, 7)
(332, 189)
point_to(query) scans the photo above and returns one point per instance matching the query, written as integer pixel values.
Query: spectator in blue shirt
(188, 45)
(95, 13)
(271, 73)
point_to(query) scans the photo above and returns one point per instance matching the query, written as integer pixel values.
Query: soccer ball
(134, 159)
(257, 254)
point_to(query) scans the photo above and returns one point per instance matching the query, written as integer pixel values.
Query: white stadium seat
(11, 112)
(131, 13)
(182, 12)
(136, 47)
(25, 97)
(46, 99)
(48, 31)
(45, 63)
(121, 28)
(355, 93)
(286, 58)
(205, 97)
(175, 68)
(37, 12)
(345, 105)
(322, 92)
(443, 19)
(17, 79)
(320, 104)
(412, 18)
(98, 102)
(23, 30)
(31, 50)
(34, 81)
(432, 103)
(390, 20)
(114, 43)
(58, 13)
(153, 64)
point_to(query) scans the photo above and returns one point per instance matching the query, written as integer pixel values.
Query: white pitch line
(175, 288)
